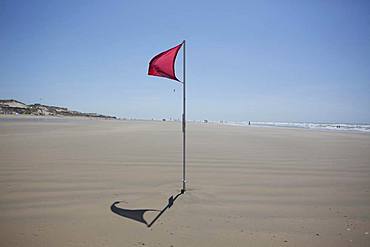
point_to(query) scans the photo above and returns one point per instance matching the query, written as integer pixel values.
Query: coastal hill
(16, 107)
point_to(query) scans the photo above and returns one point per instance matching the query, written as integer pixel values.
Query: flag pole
(183, 122)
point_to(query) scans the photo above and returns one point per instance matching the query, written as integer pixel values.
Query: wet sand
(247, 186)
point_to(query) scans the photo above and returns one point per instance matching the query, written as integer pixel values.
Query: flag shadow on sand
(138, 214)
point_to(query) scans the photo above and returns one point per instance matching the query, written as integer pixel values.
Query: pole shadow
(138, 214)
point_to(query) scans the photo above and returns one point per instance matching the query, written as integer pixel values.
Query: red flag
(163, 64)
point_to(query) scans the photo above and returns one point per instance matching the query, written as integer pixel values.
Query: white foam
(323, 126)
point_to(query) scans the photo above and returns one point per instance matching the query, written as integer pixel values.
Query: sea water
(322, 126)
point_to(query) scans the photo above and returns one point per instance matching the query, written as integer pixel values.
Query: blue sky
(246, 60)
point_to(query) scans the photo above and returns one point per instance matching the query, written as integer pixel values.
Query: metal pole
(183, 123)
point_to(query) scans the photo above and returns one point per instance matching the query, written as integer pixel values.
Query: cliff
(16, 107)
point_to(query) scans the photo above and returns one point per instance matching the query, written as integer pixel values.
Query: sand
(247, 186)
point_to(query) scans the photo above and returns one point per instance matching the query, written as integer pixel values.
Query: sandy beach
(247, 186)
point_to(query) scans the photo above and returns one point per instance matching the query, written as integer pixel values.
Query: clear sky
(246, 60)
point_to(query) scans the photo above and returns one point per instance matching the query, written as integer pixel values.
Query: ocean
(322, 126)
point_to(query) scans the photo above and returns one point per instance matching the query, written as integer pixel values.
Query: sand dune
(60, 179)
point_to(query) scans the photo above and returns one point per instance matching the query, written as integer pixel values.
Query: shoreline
(11, 117)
